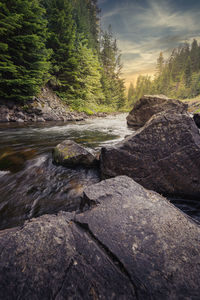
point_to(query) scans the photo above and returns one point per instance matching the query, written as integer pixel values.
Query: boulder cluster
(163, 154)
(126, 241)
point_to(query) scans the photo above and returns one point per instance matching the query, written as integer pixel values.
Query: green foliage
(113, 85)
(87, 21)
(23, 56)
(177, 77)
(56, 42)
(61, 40)
(131, 93)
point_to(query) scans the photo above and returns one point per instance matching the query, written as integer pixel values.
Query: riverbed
(31, 185)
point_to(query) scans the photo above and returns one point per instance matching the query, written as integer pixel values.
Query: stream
(31, 185)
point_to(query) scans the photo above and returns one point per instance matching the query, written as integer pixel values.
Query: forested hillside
(58, 43)
(178, 76)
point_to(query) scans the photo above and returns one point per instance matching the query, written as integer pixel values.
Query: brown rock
(147, 106)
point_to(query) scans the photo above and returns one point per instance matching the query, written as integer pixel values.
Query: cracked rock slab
(163, 155)
(52, 258)
(131, 243)
(156, 245)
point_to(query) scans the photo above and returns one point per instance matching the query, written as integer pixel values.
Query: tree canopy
(59, 43)
(177, 76)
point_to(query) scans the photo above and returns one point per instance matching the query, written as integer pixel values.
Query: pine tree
(160, 64)
(113, 85)
(130, 92)
(88, 84)
(87, 21)
(188, 72)
(62, 41)
(194, 55)
(23, 56)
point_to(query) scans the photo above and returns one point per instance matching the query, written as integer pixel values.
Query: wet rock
(53, 258)
(164, 156)
(147, 106)
(152, 242)
(196, 118)
(70, 154)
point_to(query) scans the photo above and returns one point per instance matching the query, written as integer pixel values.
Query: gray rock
(131, 244)
(164, 156)
(70, 154)
(53, 258)
(149, 105)
(152, 242)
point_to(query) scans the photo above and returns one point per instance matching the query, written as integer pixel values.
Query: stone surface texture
(70, 154)
(149, 105)
(46, 107)
(131, 244)
(163, 155)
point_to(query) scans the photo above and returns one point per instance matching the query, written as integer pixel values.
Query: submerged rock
(131, 244)
(149, 105)
(70, 154)
(164, 156)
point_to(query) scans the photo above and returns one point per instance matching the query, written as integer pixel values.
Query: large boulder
(131, 244)
(70, 154)
(164, 156)
(148, 106)
(52, 258)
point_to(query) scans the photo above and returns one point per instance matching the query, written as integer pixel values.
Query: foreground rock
(148, 106)
(70, 154)
(133, 244)
(164, 156)
(52, 258)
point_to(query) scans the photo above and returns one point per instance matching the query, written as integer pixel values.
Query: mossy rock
(70, 154)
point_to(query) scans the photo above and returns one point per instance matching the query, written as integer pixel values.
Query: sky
(144, 28)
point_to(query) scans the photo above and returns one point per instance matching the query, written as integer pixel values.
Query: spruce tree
(62, 41)
(130, 92)
(113, 85)
(23, 56)
(88, 85)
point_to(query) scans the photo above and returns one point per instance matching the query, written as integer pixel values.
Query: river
(31, 185)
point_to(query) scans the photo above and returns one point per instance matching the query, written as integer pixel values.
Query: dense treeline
(59, 43)
(178, 76)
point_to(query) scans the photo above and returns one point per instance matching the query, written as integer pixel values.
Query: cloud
(145, 28)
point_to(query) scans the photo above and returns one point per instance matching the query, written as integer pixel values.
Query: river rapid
(31, 185)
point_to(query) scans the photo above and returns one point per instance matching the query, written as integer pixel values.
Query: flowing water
(31, 185)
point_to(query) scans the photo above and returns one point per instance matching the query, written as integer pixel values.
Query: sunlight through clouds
(145, 28)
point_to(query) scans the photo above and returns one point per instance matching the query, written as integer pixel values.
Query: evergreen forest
(176, 77)
(59, 43)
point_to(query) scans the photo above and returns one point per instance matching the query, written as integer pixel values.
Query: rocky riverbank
(46, 107)
(124, 241)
